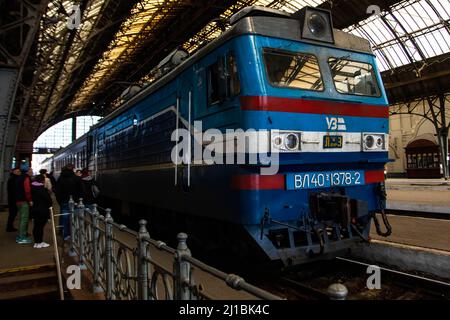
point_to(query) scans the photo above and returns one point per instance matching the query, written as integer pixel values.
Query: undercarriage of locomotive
(334, 224)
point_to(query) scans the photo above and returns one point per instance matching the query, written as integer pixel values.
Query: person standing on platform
(90, 190)
(68, 184)
(52, 180)
(12, 206)
(40, 211)
(48, 184)
(24, 201)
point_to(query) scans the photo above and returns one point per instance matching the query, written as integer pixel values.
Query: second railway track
(311, 283)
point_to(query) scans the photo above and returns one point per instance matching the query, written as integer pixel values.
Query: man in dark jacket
(68, 185)
(23, 201)
(15, 173)
(40, 211)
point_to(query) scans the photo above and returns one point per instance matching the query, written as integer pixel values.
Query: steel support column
(12, 66)
(8, 86)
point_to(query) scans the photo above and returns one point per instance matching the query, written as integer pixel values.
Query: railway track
(311, 283)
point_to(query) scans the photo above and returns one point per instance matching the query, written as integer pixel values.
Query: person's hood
(37, 184)
(87, 178)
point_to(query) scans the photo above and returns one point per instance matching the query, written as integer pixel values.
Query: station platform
(416, 244)
(416, 182)
(26, 273)
(419, 195)
(417, 231)
(20, 258)
(14, 256)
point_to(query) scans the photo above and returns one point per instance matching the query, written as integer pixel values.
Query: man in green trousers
(24, 202)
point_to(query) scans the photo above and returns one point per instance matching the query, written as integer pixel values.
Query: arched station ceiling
(83, 71)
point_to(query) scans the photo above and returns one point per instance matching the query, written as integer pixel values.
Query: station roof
(83, 71)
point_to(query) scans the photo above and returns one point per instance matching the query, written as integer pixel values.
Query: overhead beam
(405, 84)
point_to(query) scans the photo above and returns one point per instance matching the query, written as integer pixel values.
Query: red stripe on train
(277, 182)
(374, 176)
(264, 103)
(258, 182)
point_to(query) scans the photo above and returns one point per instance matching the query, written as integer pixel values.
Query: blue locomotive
(314, 98)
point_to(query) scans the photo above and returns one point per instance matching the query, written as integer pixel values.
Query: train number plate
(330, 142)
(327, 179)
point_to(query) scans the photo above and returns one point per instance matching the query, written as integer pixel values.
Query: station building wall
(403, 129)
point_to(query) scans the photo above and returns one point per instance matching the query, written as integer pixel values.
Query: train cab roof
(310, 24)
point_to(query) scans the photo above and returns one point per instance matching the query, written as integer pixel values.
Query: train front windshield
(293, 70)
(353, 77)
(298, 70)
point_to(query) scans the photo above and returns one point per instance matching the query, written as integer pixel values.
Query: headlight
(291, 141)
(317, 25)
(374, 142)
(287, 141)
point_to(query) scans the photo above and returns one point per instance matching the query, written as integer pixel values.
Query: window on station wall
(425, 160)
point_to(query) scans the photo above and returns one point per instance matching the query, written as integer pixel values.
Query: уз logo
(336, 124)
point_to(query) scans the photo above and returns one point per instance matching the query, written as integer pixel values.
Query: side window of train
(222, 80)
(90, 144)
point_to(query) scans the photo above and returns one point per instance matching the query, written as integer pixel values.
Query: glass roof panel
(411, 31)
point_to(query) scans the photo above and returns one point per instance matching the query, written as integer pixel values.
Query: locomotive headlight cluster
(374, 141)
(285, 141)
(316, 24)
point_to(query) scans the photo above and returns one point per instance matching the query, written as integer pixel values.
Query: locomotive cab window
(222, 80)
(293, 70)
(352, 77)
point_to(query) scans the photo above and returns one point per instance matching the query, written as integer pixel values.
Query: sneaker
(44, 245)
(37, 245)
(23, 240)
(67, 238)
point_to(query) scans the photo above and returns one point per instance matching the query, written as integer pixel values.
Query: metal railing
(123, 267)
(56, 254)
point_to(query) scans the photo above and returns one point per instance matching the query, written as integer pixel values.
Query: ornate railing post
(82, 234)
(182, 270)
(109, 255)
(143, 264)
(95, 249)
(73, 227)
